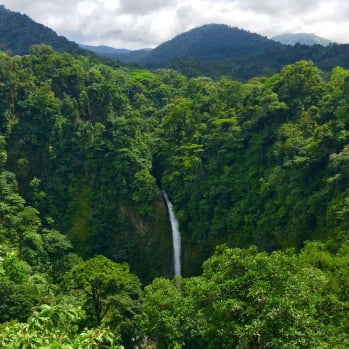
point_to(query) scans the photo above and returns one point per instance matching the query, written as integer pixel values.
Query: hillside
(212, 50)
(18, 32)
(258, 174)
(115, 54)
(129, 57)
(208, 43)
(301, 38)
(203, 45)
(104, 50)
(179, 133)
(218, 50)
(85, 151)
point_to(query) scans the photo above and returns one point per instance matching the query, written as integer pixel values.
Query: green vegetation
(218, 51)
(209, 43)
(84, 151)
(214, 50)
(264, 63)
(250, 299)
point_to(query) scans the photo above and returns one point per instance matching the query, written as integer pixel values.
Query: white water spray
(176, 236)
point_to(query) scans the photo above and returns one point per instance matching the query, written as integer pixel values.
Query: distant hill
(301, 38)
(18, 32)
(208, 43)
(105, 50)
(213, 50)
(133, 56)
(217, 50)
(118, 54)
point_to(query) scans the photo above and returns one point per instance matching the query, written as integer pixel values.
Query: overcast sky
(146, 23)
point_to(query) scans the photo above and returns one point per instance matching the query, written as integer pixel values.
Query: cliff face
(145, 242)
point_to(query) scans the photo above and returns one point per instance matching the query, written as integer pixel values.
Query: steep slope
(209, 43)
(301, 38)
(263, 163)
(18, 32)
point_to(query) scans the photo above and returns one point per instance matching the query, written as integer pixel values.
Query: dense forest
(257, 173)
(209, 43)
(218, 50)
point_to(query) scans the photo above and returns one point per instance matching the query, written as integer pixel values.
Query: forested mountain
(257, 173)
(301, 38)
(130, 57)
(219, 50)
(122, 55)
(266, 63)
(209, 43)
(205, 44)
(213, 50)
(18, 32)
(105, 50)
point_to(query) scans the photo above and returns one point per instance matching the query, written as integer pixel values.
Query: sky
(135, 24)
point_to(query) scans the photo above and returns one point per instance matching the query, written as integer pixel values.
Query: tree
(162, 314)
(255, 300)
(55, 327)
(300, 85)
(111, 293)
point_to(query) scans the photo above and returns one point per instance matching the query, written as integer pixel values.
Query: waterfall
(176, 237)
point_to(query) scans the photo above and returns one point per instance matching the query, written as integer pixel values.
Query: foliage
(256, 300)
(85, 150)
(163, 313)
(77, 137)
(248, 299)
(54, 327)
(111, 294)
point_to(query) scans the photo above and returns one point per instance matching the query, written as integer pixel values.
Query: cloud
(137, 7)
(147, 23)
(278, 7)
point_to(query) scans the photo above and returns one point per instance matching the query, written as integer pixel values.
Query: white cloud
(137, 7)
(147, 23)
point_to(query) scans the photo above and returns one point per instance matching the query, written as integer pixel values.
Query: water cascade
(176, 237)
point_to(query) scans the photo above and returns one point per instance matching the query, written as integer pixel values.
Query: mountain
(209, 43)
(217, 50)
(257, 172)
(105, 50)
(133, 56)
(18, 32)
(301, 38)
(118, 54)
(212, 50)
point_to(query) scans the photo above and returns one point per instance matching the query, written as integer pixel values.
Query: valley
(254, 169)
